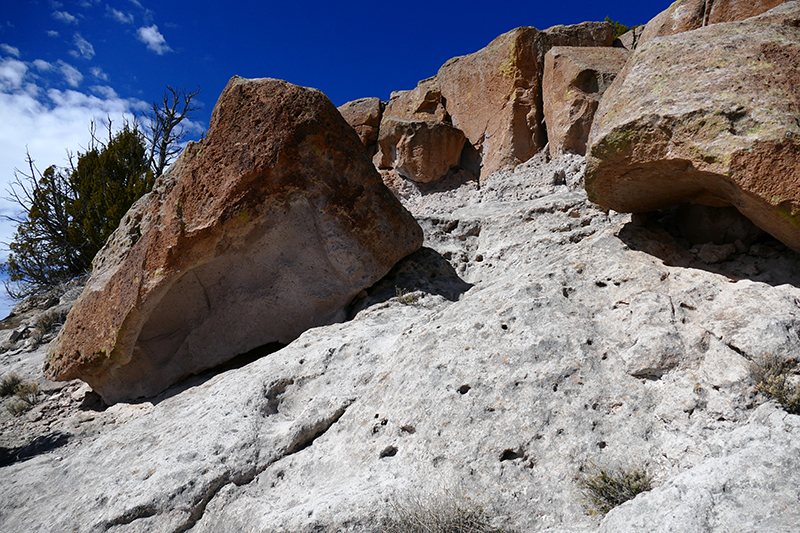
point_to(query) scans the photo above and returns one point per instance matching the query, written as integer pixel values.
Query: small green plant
(27, 394)
(619, 28)
(438, 513)
(772, 375)
(9, 385)
(406, 297)
(605, 488)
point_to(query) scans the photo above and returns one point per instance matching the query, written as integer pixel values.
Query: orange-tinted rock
(493, 95)
(707, 117)
(574, 80)
(687, 15)
(416, 138)
(421, 151)
(423, 102)
(364, 115)
(269, 226)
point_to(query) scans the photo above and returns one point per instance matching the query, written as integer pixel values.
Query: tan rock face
(494, 97)
(416, 137)
(707, 117)
(736, 10)
(364, 115)
(574, 80)
(269, 226)
(687, 15)
(421, 151)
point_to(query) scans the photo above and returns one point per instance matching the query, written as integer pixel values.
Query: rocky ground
(533, 335)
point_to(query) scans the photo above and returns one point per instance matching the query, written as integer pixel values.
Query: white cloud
(47, 124)
(85, 48)
(98, 73)
(12, 72)
(105, 91)
(119, 16)
(72, 76)
(65, 17)
(10, 50)
(137, 4)
(154, 40)
(43, 66)
(52, 33)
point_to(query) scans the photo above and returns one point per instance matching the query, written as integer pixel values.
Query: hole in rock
(511, 455)
(463, 389)
(408, 428)
(602, 444)
(504, 326)
(389, 451)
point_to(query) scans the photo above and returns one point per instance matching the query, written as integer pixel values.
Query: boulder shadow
(766, 260)
(425, 271)
(201, 378)
(39, 445)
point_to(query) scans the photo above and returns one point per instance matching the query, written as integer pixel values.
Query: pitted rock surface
(544, 333)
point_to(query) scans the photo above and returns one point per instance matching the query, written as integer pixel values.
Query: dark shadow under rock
(425, 270)
(37, 446)
(767, 260)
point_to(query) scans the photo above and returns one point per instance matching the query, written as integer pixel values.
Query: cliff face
(535, 337)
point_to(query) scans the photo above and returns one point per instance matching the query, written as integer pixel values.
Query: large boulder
(494, 94)
(574, 80)
(269, 226)
(707, 117)
(687, 15)
(416, 138)
(364, 115)
(420, 151)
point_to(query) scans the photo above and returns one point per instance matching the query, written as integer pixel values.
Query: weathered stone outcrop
(364, 115)
(707, 117)
(421, 151)
(540, 333)
(574, 80)
(630, 39)
(687, 15)
(416, 137)
(494, 94)
(269, 226)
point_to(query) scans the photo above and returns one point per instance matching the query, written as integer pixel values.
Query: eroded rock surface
(687, 15)
(683, 122)
(364, 115)
(269, 226)
(537, 333)
(494, 94)
(574, 80)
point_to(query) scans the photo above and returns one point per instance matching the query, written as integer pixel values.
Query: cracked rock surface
(534, 333)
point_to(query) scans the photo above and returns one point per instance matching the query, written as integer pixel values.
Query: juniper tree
(70, 212)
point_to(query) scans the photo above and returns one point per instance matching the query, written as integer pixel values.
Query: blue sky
(65, 62)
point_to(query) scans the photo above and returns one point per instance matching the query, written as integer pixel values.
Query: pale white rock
(504, 378)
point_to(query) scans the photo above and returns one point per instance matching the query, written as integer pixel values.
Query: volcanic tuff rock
(494, 94)
(687, 15)
(513, 365)
(707, 117)
(574, 80)
(269, 226)
(419, 151)
(364, 115)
